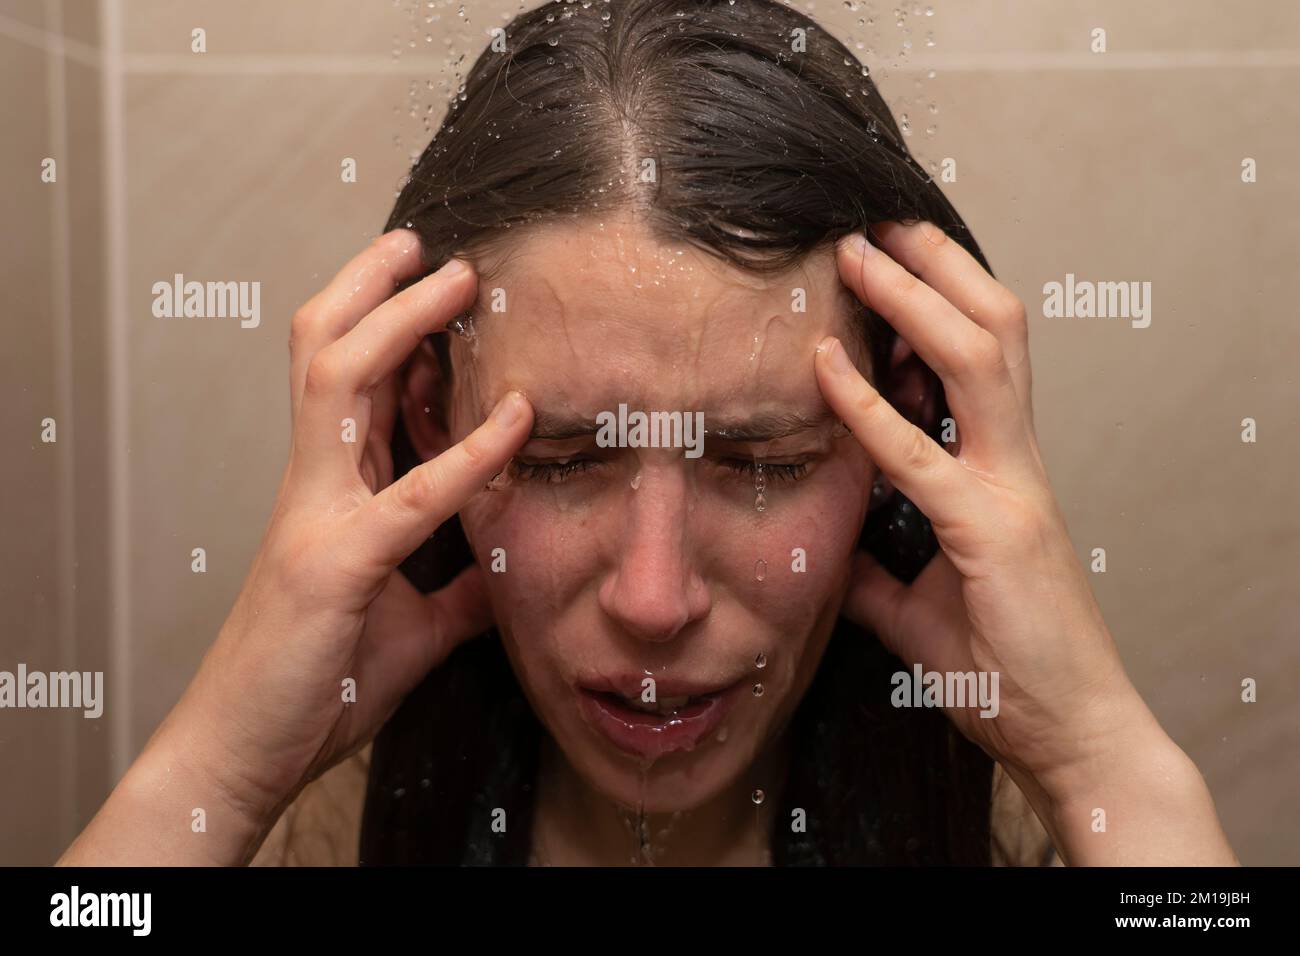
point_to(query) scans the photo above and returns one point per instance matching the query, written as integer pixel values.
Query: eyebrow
(759, 427)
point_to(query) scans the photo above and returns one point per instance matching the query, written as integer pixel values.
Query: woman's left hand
(1006, 594)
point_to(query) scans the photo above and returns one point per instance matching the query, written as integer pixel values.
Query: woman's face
(714, 570)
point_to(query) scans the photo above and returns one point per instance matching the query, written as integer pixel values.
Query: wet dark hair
(763, 154)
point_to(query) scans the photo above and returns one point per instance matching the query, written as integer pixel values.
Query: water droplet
(758, 796)
(758, 690)
(501, 480)
(760, 569)
(462, 326)
(760, 661)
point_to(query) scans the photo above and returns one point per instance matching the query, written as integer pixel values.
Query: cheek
(534, 553)
(784, 573)
(542, 563)
(773, 574)
(788, 561)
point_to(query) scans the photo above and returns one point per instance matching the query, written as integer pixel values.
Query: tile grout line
(45, 40)
(295, 64)
(115, 239)
(56, 95)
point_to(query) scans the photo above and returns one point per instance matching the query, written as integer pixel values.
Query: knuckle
(1009, 310)
(931, 233)
(986, 353)
(475, 452)
(417, 488)
(916, 449)
(297, 563)
(323, 374)
(1010, 305)
(304, 319)
(868, 402)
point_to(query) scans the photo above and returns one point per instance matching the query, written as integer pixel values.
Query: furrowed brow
(761, 427)
(549, 426)
(765, 426)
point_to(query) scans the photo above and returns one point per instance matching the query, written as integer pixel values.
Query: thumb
(409, 633)
(878, 602)
(919, 623)
(460, 611)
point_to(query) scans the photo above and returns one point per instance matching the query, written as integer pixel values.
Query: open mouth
(650, 729)
(664, 709)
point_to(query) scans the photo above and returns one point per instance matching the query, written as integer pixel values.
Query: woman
(700, 653)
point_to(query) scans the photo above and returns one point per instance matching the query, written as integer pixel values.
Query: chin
(674, 783)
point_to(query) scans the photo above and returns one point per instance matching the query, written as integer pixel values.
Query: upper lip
(630, 685)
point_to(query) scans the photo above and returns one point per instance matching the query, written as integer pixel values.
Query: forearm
(152, 817)
(1141, 802)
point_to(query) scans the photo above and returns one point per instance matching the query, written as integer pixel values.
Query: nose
(655, 591)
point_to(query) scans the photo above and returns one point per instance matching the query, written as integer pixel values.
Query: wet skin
(624, 563)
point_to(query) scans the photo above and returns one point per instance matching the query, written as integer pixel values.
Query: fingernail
(856, 243)
(454, 267)
(836, 356)
(509, 410)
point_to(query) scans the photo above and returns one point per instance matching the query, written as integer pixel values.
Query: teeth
(665, 705)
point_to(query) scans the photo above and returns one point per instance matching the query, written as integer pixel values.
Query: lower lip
(652, 735)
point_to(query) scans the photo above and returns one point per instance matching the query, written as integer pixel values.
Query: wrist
(168, 810)
(206, 735)
(1130, 798)
(214, 817)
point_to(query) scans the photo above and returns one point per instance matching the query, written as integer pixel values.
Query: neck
(576, 825)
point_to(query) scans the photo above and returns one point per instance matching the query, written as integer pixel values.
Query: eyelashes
(558, 472)
(781, 472)
(551, 473)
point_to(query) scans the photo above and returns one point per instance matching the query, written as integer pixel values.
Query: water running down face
(720, 577)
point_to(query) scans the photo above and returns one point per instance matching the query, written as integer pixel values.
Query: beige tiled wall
(1122, 166)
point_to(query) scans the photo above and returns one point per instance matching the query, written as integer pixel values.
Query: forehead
(598, 305)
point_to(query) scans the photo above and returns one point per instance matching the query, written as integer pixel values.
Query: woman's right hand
(326, 637)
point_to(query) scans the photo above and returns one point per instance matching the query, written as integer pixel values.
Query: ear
(423, 413)
(911, 387)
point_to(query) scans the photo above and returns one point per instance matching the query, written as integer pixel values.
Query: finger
(343, 376)
(945, 266)
(414, 633)
(918, 467)
(917, 623)
(377, 459)
(402, 516)
(966, 358)
(360, 286)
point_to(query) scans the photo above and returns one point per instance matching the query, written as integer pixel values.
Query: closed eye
(779, 471)
(556, 472)
(551, 472)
